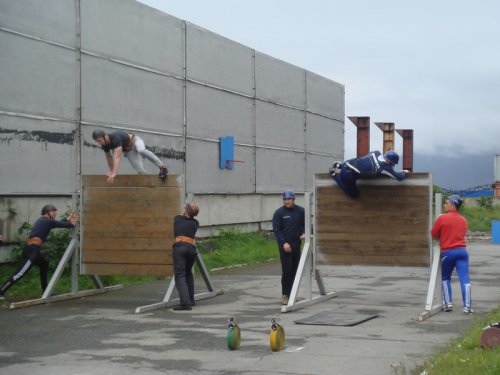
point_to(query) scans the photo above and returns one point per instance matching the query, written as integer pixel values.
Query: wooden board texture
(388, 224)
(127, 227)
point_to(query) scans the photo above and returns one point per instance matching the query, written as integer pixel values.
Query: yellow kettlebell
(276, 336)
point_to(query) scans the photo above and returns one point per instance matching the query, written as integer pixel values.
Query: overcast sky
(431, 66)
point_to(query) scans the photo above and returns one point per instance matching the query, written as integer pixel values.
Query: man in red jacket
(450, 228)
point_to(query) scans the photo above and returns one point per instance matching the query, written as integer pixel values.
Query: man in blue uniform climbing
(372, 165)
(288, 228)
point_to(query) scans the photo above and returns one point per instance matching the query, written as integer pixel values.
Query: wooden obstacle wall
(127, 227)
(389, 224)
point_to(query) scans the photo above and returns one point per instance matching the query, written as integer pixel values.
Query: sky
(430, 66)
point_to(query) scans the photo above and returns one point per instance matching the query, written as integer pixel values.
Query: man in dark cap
(32, 251)
(288, 228)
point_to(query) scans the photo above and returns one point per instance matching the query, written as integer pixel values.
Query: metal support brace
(168, 300)
(431, 305)
(307, 269)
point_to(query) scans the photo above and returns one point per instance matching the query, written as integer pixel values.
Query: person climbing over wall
(372, 165)
(184, 254)
(288, 228)
(130, 145)
(450, 228)
(32, 251)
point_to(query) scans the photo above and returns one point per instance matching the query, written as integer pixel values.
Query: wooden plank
(172, 180)
(372, 244)
(138, 243)
(159, 195)
(136, 207)
(387, 225)
(125, 225)
(127, 269)
(119, 232)
(104, 256)
(374, 260)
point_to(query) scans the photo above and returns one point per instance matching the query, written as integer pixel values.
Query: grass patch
(479, 218)
(230, 248)
(464, 356)
(233, 247)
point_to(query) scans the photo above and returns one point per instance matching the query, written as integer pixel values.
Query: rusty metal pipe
(362, 134)
(407, 135)
(388, 130)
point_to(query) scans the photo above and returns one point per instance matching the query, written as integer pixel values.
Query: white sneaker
(448, 307)
(467, 310)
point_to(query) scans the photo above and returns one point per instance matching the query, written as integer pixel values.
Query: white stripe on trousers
(22, 271)
(446, 293)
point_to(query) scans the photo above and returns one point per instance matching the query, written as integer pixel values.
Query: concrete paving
(102, 335)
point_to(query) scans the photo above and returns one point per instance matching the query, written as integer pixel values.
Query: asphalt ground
(101, 334)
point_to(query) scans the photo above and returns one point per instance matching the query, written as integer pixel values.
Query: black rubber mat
(336, 318)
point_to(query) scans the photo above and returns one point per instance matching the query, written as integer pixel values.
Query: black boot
(182, 307)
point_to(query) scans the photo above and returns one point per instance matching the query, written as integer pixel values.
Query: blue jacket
(288, 225)
(373, 165)
(43, 225)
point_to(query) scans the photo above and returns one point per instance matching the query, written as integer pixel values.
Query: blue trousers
(459, 259)
(346, 181)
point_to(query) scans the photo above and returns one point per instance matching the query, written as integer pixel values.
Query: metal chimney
(388, 130)
(407, 135)
(362, 134)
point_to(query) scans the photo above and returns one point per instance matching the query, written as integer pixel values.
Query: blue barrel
(495, 231)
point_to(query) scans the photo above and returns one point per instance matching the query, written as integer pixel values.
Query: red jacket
(450, 228)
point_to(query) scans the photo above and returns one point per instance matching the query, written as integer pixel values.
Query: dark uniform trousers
(184, 256)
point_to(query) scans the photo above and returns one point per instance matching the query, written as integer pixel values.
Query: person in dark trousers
(372, 165)
(288, 228)
(450, 228)
(130, 145)
(32, 254)
(184, 254)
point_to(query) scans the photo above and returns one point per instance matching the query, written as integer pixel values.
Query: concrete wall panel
(213, 113)
(37, 78)
(279, 170)
(50, 20)
(133, 32)
(496, 164)
(37, 157)
(324, 135)
(325, 96)
(220, 209)
(279, 126)
(204, 175)
(279, 81)
(215, 60)
(118, 94)
(317, 164)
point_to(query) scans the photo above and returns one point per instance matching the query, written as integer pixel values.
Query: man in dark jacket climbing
(372, 165)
